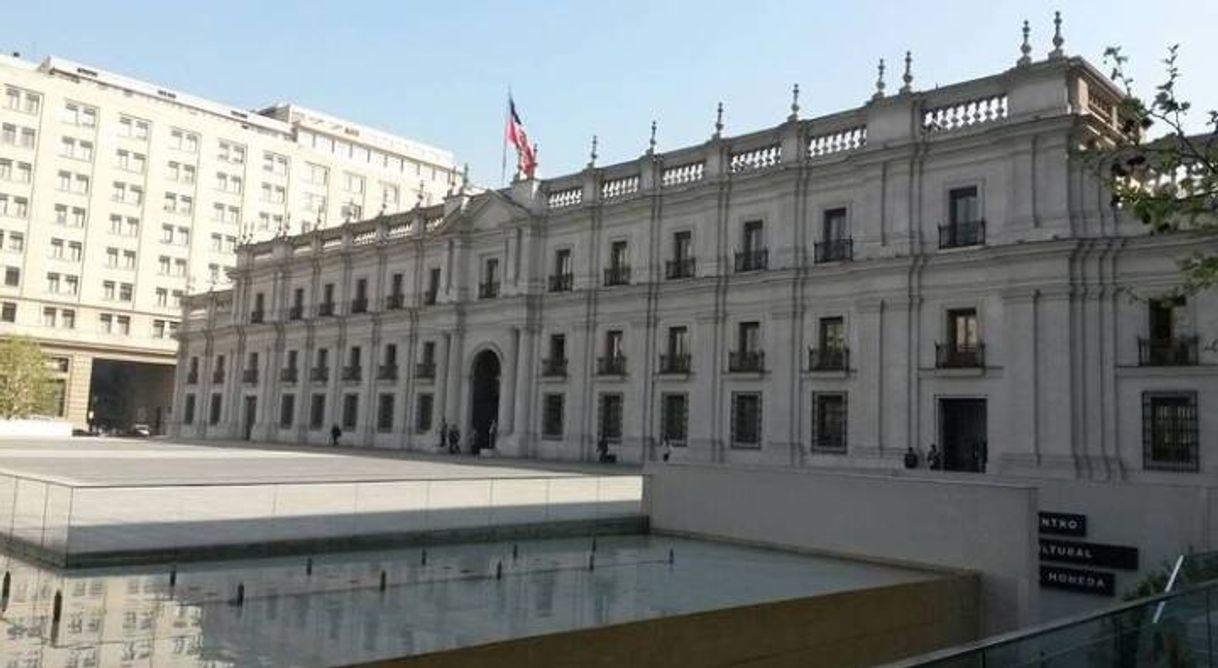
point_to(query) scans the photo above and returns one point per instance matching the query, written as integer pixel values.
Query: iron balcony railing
(679, 268)
(325, 309)
(562, 282)
(249, 376)
(289, 375)
(678, 363)
(619, 275)
(962, 233)
(192, 377)
(425, 370)
(752, 260)
(387, 372)
(1174, 351)
(394, 301)
(296, 312)
(319, 374)
(554, 367)
(359, 305)
(960, 355)
(257, 316)
(488, 289)
(429, 298)
(828, 359)
(834, 250)
(217, 376)
(611, 365)
(746, 360)
(352, 373)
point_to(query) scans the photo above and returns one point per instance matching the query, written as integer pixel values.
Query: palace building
(938, 270)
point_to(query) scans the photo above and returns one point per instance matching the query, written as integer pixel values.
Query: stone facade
(932, 269)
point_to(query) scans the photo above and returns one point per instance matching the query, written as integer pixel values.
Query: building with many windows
(118, 197)
(937, 270)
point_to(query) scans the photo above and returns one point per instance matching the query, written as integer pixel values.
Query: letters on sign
(1076, 579)
(1090, 554)
(1063, 524)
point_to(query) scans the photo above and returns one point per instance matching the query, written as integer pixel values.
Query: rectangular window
(619, 255)
(552, 415)
(682, 246)
(8, 312)
(350, 410)
(213, 417)
(614, 344)
(962, 332)
(746, 419)
(611, 416)
(188, 410)
(833, 227)
(384, 413)
(752, 241)
(674, 418)
(287, 411)
(317, 411)
(422, 413)
(832, 334)
(963, 206)
(1170, 439)
(829, 422)
(562, 262)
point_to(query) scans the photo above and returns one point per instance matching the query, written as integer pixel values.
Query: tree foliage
(25, 380)
(1169, 182)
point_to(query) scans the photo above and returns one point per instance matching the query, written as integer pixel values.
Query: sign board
(1089, 554)
(1079, 580)
(1063, 524)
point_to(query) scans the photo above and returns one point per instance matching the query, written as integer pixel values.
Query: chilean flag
(526, 156)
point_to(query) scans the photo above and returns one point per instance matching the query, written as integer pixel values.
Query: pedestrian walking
(336, 432)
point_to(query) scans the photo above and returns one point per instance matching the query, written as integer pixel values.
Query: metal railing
(296, 312)
(387, 372)
(960, 356)
(488, 289)
(353, 373)
(612, 365)
(257, 317)
(319, 374)
(561, 282)
(834, 250)
(619, 275)
(394, 301)
(828, 359)
(429, 298)
(325, 309)
(249, 376)
(359, 305)
(682, 268)
(674, 364)
(289, 375)
(964, 233)
(1174, 351)
(752, 260)
(425, 370)
(554, 367)
(746, 360)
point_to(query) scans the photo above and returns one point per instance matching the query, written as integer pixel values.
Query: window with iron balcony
(562, 282)
(387, 372)
(425, 370)
(746, 360)
(488, 289)
(289, 375)
(828, 359)
(679, 268)
(394, 301)
(834, 250)
(352, 373)
(249, 376)
(217, 376)
(325, 309)
(319, 374)
(429, 298)
(192, 377)
(675, 363)
(965, 226)
(617, 275)
(359, 305)
(960, 355)
(1174, 351)
(257, 316)
(554, 367)
(611, 365)
(752, 260)
(296, 312)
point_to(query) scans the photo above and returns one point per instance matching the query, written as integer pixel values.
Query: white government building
(936, 268)
(118, 197)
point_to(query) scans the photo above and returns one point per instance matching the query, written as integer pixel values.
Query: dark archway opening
(485, 401)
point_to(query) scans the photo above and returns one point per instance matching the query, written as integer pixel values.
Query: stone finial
(1025, 49)
(1058, 40)
(651, 142)
(719, 121)
(464, 179)
(592, 154)
(879, 81)
(419, 198)
(907, 78)
(794, 115)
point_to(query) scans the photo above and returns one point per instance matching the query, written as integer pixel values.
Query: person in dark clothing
(454, 440)
(443, 433)
(911, 458)
(336, 433)
(934, 458)
(602, 449)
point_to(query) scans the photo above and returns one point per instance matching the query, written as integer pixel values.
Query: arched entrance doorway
(484, 403)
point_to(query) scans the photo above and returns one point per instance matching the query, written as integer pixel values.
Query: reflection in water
(276, 612)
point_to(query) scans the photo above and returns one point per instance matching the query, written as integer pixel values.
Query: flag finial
(1058, 40)
(794, 115)
(651, 142)
(1025, 49)
(879, 81)
(592, 154)
(907, 78)
(719, 121)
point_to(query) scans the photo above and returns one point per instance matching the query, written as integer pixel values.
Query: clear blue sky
(439, 71)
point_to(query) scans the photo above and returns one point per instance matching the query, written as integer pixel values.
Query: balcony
(359, 305)
(612, 365)
(752, 260)
(745, 361)
(289, 375)
(192, 377)
(257, 317)
(296, 312)
(319, 374)
(429, 298)
(425, 370)
(325, 309)
(555, 367)
(352, 374)
(675, 364)
(387, 372)
(249, 376)
(395, 301)
(619, 275)
(677, 269)
(562, 282)
(960, 356)
(488, 289)
(961, 234)
(1174, 351)
(217, 376)
(828, 359)
(834, 250)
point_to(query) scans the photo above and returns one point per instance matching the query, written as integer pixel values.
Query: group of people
(934, 458)
(450, 438)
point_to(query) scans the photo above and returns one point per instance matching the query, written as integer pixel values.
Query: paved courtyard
(115, 461)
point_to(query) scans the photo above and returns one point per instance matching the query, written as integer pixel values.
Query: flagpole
(507, 111)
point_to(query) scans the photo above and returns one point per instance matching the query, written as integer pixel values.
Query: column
(441, 393)
(453, 387)
(508, 398)
(524, 386)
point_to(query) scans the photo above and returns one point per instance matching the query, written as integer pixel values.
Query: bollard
(173, 576)
(499, 570)
(240, 594)
(57, 607)
(424, 557)
(671, 556)
(384, 580)
(8, 584)
(309, 566)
